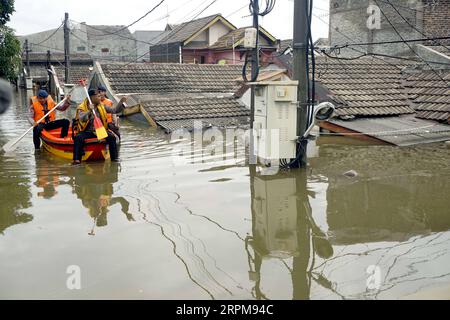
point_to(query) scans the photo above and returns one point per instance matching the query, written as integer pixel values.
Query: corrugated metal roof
(403, 130)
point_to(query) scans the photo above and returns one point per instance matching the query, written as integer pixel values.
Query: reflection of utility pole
(300, 46)
(66, 47)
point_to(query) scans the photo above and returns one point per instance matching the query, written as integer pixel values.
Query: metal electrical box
(275, 119)
(250, 38)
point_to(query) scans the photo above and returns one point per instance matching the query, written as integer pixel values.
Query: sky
(34, 16)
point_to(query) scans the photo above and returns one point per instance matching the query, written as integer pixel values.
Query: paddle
(100, 130)
(11, 145)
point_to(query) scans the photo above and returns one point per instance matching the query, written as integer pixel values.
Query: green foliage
(6, 9)
(10, 60)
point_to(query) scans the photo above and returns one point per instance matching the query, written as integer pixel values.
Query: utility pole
(27, 57)
(300, 46)
(255, 61)
(255, 66)
(49, 83)
(66, 47)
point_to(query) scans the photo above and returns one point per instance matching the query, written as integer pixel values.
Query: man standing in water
(85, 123)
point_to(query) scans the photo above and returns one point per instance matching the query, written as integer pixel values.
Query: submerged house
(47, 70)
(174, 96)
(384, 100)
(208, 40)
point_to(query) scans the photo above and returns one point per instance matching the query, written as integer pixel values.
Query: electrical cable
(414, 27)
(409, 46)
(129, 25)
(50, 35)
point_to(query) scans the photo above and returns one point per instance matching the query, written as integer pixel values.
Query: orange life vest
(40, 111)
(108, 103)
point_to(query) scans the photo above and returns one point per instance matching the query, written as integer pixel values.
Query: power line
(134, 22)
(412, 26)
(51, 34)
(388, 42)
(234, 12)
(409, 46)
(368, 54)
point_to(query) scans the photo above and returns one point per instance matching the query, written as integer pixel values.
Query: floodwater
(157, 226)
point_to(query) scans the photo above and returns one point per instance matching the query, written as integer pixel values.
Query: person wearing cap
(85, 124)
(41, 104)
(113, 123)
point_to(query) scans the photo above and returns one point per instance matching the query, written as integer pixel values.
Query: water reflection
(47, 177)
(393, 194)
(93, 184)
(283, 227)
(15, 196)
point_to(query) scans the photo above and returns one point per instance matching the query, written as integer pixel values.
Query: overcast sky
(33, 16)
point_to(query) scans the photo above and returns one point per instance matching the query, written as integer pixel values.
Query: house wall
(119, 49)
(216, 31)
(436, 20)
(56, 42)
(80, 43)
(165, 53)
(349, 23)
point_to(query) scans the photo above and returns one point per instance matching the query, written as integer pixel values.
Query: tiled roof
(381, 87)
(228, 40)
(285, 44)
(183, 107)
(77, 73)
(364, 87)
(430, 94)
(161, 78)
(184, 31)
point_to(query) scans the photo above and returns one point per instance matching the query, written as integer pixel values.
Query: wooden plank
(131, 110)
(147, 116)
(338, 129)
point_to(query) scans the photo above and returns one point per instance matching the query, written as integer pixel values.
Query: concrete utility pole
(27, 57)
(255, 61)
(300, 45)
(66, 47)
(49, 85)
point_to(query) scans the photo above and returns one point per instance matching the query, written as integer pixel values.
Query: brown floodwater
(362, 222)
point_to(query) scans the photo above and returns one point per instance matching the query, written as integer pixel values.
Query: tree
(10, 60)
(6, 9)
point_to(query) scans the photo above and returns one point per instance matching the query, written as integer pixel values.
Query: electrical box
(275, 120)
(250, 38)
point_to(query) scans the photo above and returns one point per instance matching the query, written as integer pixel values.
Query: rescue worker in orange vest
(113, 123)
(40, 106)
(86, 128)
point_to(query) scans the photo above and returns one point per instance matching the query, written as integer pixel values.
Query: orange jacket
(40, 110)
(108, 103)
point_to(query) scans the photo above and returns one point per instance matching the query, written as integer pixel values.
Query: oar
(11, 145)
(100, 130)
